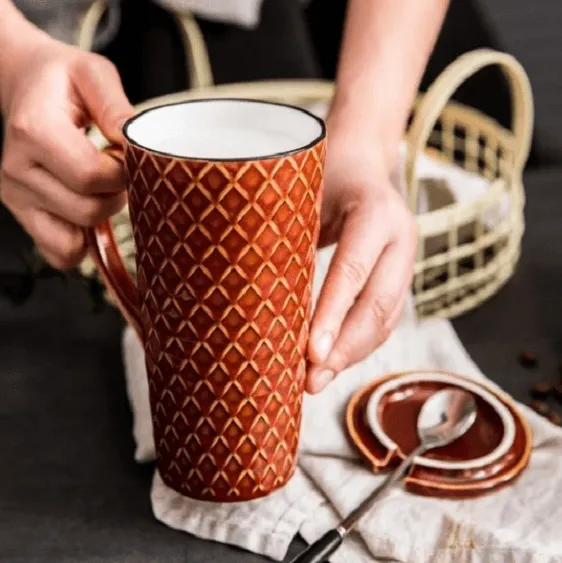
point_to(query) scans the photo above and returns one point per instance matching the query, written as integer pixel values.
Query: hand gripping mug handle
(105, 253)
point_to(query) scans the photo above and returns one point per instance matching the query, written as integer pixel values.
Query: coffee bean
(558, 392)
(555, 418)
(528, 359)
(541, 390)
(540, 407)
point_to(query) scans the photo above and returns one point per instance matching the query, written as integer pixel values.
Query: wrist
(353, 126)
(19, 41)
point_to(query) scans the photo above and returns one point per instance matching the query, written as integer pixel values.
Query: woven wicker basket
(466, 251)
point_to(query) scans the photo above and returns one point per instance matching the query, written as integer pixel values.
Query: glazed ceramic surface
(225, 246)
(460, 482)
(394, 405)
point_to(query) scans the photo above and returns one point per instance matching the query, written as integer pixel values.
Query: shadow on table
(527, 312)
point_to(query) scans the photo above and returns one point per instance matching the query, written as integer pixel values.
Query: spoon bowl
(445, 417)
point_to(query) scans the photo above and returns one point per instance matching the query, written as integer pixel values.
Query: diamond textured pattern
(225, 259)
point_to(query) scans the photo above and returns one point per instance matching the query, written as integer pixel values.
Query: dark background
(69, 488)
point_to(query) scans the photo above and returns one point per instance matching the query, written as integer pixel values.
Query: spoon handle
(349, 522)
(321, 549)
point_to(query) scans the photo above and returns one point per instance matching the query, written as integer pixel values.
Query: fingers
(377, 305)
(60, 147)
(54, 215)
(356, 255)
(100, 87)
(44, 191)
(53, 178)
(372, 318)
(60, 243)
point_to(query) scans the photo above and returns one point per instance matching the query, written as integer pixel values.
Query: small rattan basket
(467, 250)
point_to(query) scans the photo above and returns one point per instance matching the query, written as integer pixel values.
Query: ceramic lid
(491, 437)
(381, 422)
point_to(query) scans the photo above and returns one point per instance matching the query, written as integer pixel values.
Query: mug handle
(106, 256)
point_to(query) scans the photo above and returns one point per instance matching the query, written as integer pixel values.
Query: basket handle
(196, 53)
(441, 91)
(88, 26)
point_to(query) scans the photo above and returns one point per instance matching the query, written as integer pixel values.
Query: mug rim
(271, 156)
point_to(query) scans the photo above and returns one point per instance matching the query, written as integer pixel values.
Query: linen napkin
(518, 524)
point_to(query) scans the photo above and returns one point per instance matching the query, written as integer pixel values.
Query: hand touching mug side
(53, 179)
(384, 52)
(364, 292)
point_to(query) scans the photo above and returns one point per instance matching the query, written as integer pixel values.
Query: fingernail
(322, 379)
(323, 345)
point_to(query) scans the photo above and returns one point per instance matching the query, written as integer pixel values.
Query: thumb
(99, 85)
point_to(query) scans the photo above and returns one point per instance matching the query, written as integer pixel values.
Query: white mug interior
(225, 129)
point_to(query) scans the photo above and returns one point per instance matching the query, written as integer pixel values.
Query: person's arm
(386, 46)
(385, 49)
(16, 33)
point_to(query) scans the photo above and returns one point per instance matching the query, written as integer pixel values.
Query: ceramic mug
(224, 197)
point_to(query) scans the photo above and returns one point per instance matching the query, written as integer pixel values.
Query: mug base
(224, 495)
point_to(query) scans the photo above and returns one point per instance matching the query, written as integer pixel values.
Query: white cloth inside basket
(518, 524)
(245, 13)
(465, 187)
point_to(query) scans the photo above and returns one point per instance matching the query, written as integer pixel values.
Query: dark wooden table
(69, 488)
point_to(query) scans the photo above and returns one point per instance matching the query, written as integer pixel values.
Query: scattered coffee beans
(528, 359)
(540, 407)
(541, 390)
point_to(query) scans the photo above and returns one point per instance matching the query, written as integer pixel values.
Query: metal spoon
(444, 417)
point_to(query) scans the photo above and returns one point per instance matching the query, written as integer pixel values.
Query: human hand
(52, 178)
(368, 279)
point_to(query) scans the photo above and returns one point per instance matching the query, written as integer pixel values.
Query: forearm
(18, 39)
(385, 50)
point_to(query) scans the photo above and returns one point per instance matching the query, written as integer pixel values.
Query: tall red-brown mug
(224, 197)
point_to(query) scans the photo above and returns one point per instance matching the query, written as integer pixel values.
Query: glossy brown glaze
(399, 410)
(225, 261)
(438, 482)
